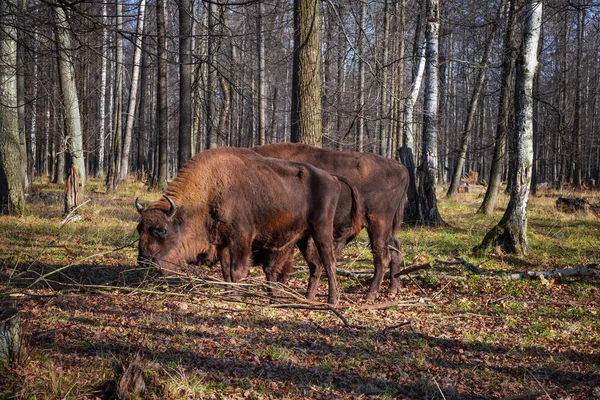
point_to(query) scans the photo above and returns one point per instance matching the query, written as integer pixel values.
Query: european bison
(232, 200)
(382, 185)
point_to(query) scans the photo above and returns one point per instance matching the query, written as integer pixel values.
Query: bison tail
(357, 212)
(399, 216)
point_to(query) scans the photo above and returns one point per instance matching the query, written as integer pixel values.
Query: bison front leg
(225, 260)
(240, 250)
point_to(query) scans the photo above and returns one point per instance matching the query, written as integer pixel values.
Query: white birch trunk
(102, 99)
(133, 93)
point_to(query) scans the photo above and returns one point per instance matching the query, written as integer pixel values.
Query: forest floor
(90, 317)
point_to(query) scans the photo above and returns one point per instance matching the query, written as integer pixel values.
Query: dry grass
(88, 312)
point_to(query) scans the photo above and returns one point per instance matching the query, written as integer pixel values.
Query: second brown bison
(382, 185)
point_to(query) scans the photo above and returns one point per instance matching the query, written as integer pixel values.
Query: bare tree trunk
(102, 95)
(426, 175)
(133, 94)
(31, 157)
(112, 177)
(511, 231)
(21, 98)
(481, 74)
(360, 126)
(306, 126)
(163, 113)
(12, 198)
(211, 78)
(384, 138)
(72, 119)
(508, 65)
(184, 152)
(398, 107)
(262, 92)
(577, 120)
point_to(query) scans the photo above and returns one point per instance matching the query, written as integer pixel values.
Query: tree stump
(10, 336)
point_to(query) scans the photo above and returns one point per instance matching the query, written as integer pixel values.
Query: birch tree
(511, 232)
(426, 173)
(133, 93)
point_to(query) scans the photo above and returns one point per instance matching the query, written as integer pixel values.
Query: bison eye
(160, 233)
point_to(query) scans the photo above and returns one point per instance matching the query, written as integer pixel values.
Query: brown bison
(382, 185)
(228, 201)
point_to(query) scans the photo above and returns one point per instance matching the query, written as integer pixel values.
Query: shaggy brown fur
(382, 184)
(233, 200)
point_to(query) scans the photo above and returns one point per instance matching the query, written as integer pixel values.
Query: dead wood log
(10, 336)
(354, 275)
(412, 268)
(589, 269)
(462, 261)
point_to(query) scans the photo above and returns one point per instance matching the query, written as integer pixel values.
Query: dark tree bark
(185, 82)
(12, 200)
(479, 82)
(508, 65)
(114, 159)
(160, 182)
(306, 126)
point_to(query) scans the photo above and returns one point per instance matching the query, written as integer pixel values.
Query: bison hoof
(371, 296)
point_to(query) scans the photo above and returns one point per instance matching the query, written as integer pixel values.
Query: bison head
(161, 240)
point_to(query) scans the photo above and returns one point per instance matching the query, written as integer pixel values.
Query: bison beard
(227, 201)
(381, 184)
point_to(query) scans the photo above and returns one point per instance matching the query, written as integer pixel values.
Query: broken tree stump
(10, 336)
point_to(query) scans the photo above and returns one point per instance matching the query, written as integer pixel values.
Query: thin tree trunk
(577, 119)
(426, 175)
(72, 119)
(211, 78)
(508, 65)
(133, 94)
(31, 162)
(384, 139)
(306, 125)
(102, 95)
(12, 198)
(360, 126)
(21, 98)
(511, 231)
(184, 152)
(163, 112)
(112, 181)
(478, 88)
(262, 92)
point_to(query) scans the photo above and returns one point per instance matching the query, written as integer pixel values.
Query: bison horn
(172, 204)
(138, 206)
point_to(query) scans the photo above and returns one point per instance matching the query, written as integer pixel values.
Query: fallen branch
(461, 261)
(579, 271)
(354, 275)
(412, 268)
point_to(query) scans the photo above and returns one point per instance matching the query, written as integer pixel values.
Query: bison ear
(173, 208)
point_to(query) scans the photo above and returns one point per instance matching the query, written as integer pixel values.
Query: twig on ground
(412, 268)
(354, 275)
(439, 388)
(70, 217)
(461, 261)
(388, 328)
(589, 269)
